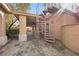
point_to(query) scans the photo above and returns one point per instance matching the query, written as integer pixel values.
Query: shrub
(12, 32)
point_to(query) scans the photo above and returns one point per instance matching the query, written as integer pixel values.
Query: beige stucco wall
(3, 37)
(70, 37)
(22, 28)
(22, 24)
(69, 19)
(2, 24)
(56, 26)
(58, 21)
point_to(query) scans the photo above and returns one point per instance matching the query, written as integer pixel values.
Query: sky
(35, 8)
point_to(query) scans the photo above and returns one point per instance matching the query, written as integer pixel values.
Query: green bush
(12, 32)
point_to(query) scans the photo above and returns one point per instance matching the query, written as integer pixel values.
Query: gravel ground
(35, 47)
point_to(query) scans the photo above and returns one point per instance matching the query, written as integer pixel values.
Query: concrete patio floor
(35, 47)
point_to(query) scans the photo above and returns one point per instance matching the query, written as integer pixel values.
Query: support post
(3, 37)
(22, 29)
(37, 27)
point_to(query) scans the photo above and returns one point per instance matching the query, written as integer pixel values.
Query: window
(40, 27)
(47, 27)
(43, 28)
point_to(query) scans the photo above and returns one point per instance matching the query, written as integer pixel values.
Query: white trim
(3, 40)
(22, 37)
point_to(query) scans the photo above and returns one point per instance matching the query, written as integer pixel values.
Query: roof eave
(6, 7)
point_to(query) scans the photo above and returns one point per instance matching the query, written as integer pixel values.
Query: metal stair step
(50, 38)
(53, 41)
(49, 35)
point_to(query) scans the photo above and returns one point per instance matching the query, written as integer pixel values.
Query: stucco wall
(22, 29)
(58, 21)
(2, 24)
(3, 37)
(22, 26)
(68, 19)
(70, 37)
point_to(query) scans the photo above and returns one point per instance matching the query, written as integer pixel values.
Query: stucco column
(37, 27)
(22, 29)
(3, 37)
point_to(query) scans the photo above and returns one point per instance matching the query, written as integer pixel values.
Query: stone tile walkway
(35, 47)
